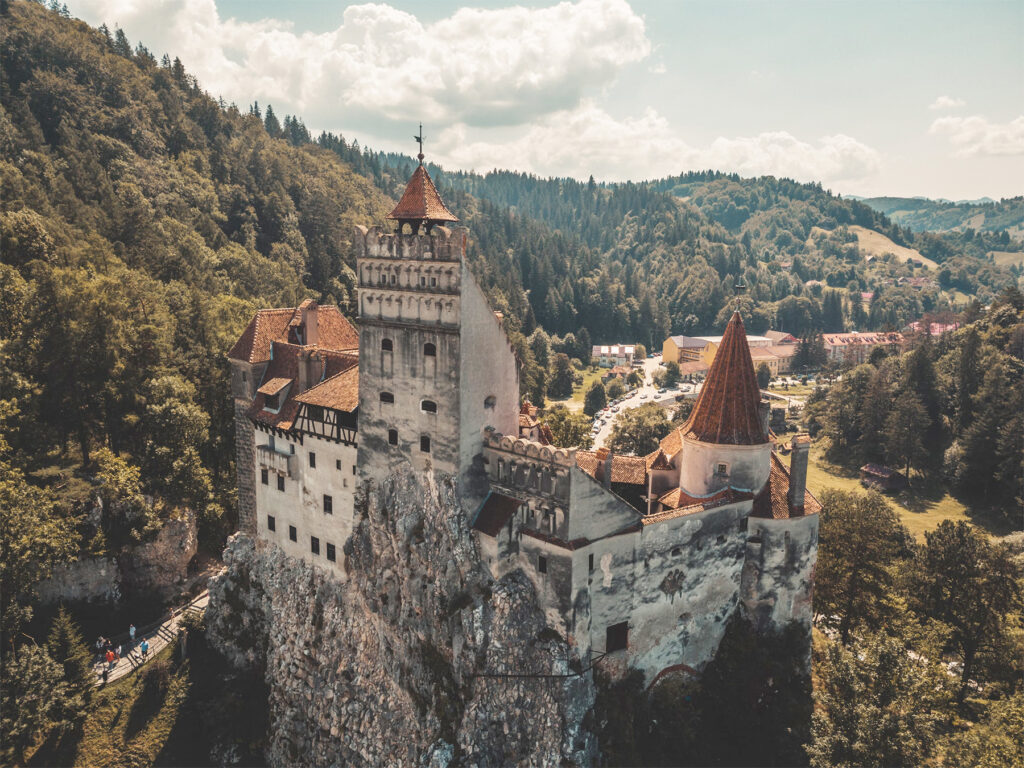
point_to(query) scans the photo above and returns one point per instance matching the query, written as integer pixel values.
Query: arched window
(393, 436)
(490, 401)
(425, 443)
(387, 397)
(428, 406)
(387, 345)
(430, 350)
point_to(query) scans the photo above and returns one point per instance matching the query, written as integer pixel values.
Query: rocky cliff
(418, 658)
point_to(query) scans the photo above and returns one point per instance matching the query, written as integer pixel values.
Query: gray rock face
(159, 567)
(419, 658)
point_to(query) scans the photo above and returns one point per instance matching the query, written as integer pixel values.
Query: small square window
(542, 564)
(425, 443)
(331, 554)
(328, 505)
(271, 523)
(723, 469)
(265, 476)
(292, 533)
(292, 449)
(314, 545)
(337, 463)
(393, 437)
(280, 482)
(271, 402)
(312, 460)
(617, 637)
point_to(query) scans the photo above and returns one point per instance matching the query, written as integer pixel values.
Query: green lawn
(575, 401)
(921, 509)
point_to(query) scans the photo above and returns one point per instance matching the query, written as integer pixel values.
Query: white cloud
(587, 140)
(947, 102)
(479, 67)
(977, 135)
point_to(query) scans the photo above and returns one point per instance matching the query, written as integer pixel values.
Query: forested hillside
(142, 222)
(141, 225)
(1004, 218)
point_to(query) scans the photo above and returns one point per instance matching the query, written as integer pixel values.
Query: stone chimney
(604, 467)
(801, 448)
(311, 334)
(764, 414)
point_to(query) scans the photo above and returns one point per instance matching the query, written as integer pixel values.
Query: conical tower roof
(727, 409)
(421, 204)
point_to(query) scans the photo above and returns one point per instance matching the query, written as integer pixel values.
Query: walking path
(159, 636)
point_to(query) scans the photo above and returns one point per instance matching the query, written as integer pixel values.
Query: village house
(855, 348)
(611, 355)
(639, 559)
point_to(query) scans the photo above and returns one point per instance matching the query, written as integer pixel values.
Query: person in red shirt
(110, 659)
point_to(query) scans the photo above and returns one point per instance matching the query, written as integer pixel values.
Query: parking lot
(647, 393)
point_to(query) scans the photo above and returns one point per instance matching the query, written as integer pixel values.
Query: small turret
(421, 204)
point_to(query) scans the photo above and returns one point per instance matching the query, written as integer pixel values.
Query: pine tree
(905, 429)
(270, 123)
(67, 647)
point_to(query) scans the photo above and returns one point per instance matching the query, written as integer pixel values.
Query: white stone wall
(748, 467)
(301, 503)
(778, 576)
(488, 373)
(676, 583)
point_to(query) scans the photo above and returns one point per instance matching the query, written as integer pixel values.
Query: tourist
(117, 651)
(99, 646)
(144, 647)
(111, 661)
(131, 634)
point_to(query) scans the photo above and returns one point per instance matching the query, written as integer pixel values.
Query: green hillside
(924, 215)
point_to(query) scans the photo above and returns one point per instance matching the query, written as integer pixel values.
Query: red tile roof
(727, 408)
(273, 386)
(631, 470)
(340, 391)
(676, 503)
(266, 326)
(421, 201)
(334, 331)
(285, 365)
(773, 500)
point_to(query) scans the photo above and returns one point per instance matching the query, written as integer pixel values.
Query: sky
(868, 97)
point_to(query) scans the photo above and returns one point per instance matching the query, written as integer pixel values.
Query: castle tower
(725, 441)
(436, 368)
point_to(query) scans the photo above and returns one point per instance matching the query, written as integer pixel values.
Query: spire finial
(419, 139)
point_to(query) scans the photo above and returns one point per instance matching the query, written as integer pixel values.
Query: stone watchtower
(427, 389)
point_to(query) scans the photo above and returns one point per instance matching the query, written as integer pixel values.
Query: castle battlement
(441, 244)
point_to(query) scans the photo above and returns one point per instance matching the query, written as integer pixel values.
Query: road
(648, 393)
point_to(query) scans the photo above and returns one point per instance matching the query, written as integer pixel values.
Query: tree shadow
(59, 748)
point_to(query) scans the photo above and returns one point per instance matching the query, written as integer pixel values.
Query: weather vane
(419, 139)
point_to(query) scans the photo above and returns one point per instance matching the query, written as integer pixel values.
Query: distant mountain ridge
(925, 215)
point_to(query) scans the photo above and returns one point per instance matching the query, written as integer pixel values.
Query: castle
(638, 561)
